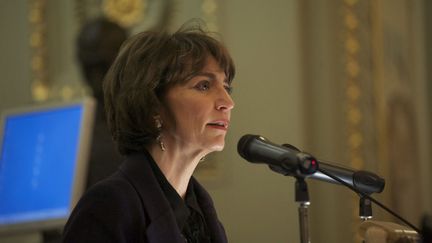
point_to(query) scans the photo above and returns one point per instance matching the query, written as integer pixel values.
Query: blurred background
(348, 81)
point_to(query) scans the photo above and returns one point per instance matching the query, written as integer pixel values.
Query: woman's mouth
(219, 125)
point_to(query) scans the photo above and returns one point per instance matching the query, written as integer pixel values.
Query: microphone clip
(306, 165)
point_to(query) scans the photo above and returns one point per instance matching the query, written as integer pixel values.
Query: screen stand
(302, 197)
(30, 237)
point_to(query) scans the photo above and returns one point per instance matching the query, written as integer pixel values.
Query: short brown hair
(148, 64)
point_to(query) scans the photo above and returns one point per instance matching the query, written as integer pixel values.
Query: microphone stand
(302, 197)
(365, 208)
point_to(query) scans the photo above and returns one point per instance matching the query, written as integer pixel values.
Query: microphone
(257, 149)
(288, 160)
(362, 180)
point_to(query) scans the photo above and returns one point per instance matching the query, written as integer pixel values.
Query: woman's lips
(220, 124)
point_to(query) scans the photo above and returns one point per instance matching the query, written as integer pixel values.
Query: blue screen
(37, 164)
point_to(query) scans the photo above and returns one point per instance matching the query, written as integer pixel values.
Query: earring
(159, 137)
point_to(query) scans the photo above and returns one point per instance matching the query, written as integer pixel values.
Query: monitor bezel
(84, 141)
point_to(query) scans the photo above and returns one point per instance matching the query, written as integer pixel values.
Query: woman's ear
(165, 116)
(158, 122)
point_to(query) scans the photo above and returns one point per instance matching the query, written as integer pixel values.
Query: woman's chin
(217, 147)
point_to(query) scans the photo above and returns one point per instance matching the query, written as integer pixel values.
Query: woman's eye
(229, 89)
(203, 86)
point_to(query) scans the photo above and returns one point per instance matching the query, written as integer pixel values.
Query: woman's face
(198, 111)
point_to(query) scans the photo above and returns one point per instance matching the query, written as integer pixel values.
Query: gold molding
(38, 64)
(353, 92)
(125, 12)
(353, 95)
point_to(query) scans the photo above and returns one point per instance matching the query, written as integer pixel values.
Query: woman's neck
(176, 165)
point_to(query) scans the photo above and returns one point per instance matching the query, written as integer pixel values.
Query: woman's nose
(225, 101)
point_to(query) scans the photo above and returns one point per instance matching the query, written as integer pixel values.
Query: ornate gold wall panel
(381, 103)
(357, 80)
(382, 108)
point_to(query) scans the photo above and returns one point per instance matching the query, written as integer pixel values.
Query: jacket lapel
(161, 224)
(216, 229)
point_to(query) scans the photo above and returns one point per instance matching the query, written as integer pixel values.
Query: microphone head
(243, 145)
(368, 182)
(285, 159)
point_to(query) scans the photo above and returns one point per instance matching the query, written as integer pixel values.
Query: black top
(188, 214)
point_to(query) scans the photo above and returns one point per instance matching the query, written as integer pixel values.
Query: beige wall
(287, 88)
(14, 61)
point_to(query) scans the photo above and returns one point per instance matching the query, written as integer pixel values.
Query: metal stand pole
(304, 225)
(302, 197)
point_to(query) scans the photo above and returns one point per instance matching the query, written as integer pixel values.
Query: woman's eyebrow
(211, 76)
(207, 74)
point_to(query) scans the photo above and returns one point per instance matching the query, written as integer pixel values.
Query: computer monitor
(43, 163)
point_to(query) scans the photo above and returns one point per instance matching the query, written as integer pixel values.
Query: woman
(168, 104)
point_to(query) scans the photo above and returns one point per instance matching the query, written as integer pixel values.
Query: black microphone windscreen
(242, 145)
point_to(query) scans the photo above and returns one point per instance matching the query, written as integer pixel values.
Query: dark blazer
(129, 206)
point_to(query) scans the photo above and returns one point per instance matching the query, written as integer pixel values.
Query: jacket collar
(162, 225)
